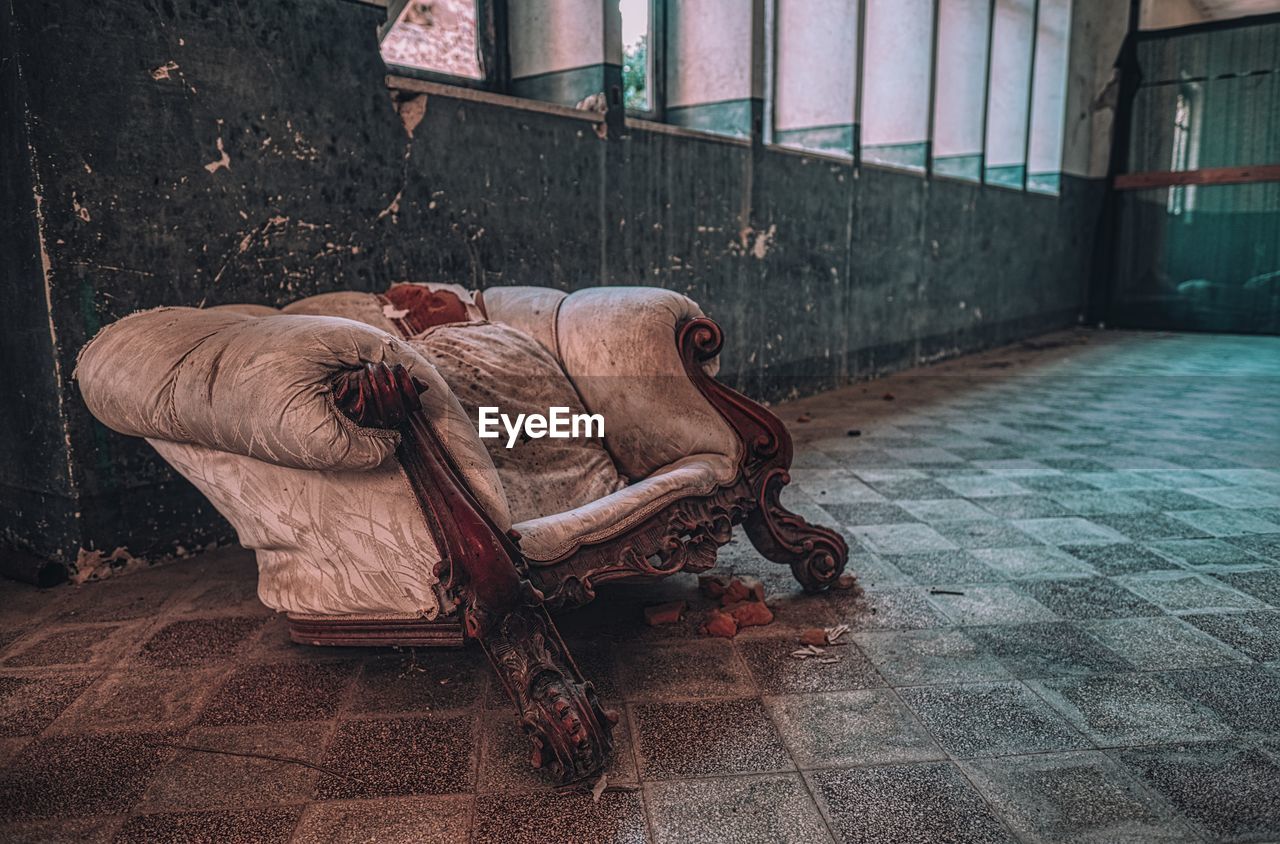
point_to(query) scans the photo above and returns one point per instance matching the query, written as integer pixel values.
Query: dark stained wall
(196, 152)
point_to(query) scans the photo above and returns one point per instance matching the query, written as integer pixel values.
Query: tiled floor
(1070, 632)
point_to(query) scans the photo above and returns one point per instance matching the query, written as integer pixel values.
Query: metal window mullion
(986, 92)
(860, 71)
(933, 90)
(1031, 93)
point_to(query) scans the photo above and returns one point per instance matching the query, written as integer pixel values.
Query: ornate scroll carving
(817, 555)
(558, 708)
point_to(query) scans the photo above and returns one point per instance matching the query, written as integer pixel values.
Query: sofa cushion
(498, 366)
(328, 542)
(551, 538)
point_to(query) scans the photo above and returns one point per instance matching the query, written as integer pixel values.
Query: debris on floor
(668, 613)
(742, 604)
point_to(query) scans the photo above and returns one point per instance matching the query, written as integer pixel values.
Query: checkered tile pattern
(1070, 551)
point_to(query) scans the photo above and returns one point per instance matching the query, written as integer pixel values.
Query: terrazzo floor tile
(1244, 697)
(1120, 710)
(283, 692)
(899, 608)
(1072, 531)
(1060, 798)
(1141, 527)
(198, 641)
(208, 772)
(894, 804)
(944, 509)
(1023, 507)
(926, 657)
(260, 825)
(1238, 497)
(833, 729)
(399, 756)
(707, 738)
(29, 704)
(1183, 591)
(971, 604)
(103, 773)
(1048, 649)
(983, 533)
(901, 538)
(1225, 790)
(1255, 633)
(1151, 644)
(400, 820)
(1223, 522)
(1212, 553)
(913, 488)
(1263, 545)
(618, 818)
(704, 668)
(739, 809)
(64, 645)
(1089, 597)
(1099, 503)
(983, 486)
(1122, 558)
(943, 567)
(100, 829)
(1168, 500)
(869, 513)
(142, 699)
(776, 671)
(1262, 584)
(990, 719)
(1033, 561)
(420, 682)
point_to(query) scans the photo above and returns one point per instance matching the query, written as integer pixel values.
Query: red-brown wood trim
(1153, 179)
(374, 632)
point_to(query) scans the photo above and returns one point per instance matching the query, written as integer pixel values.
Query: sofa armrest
(255, 386)
(619, 346)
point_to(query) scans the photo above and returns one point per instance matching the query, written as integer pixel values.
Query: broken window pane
(636, 56)
(439, 36)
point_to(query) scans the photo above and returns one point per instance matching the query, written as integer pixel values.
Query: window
(815, 65)
(897, 72)
(961, 78)
(1048, 96)
(436, 36)
(637, 54)
(1009, 92)
(1186, 152)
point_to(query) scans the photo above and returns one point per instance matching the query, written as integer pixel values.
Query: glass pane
(435, 35)
(636, 59)
(895, 93)
(1048, 95)
(816, 62)
(1008, 92)
(962, 86)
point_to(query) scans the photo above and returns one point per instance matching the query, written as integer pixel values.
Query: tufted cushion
(498, 366)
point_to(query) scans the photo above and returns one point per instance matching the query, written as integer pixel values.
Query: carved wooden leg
(817, 555)
(557, 707)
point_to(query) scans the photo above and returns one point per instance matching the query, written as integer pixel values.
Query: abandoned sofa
(338, 436)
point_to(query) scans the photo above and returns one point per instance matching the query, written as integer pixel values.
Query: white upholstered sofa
(338, 436)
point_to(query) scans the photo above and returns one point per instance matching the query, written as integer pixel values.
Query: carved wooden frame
(505, 600)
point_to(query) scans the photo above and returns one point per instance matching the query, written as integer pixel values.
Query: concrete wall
(204, 152)
(1161, 14)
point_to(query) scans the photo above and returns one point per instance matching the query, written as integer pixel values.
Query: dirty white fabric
(351, 304)
(498, 366)
(618, 346)
(553, 537)
(533, 310)
(257, 386)
(327, 542)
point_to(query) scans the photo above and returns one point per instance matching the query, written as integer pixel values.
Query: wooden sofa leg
(558, 709)
(817, 555)
(501, 609)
